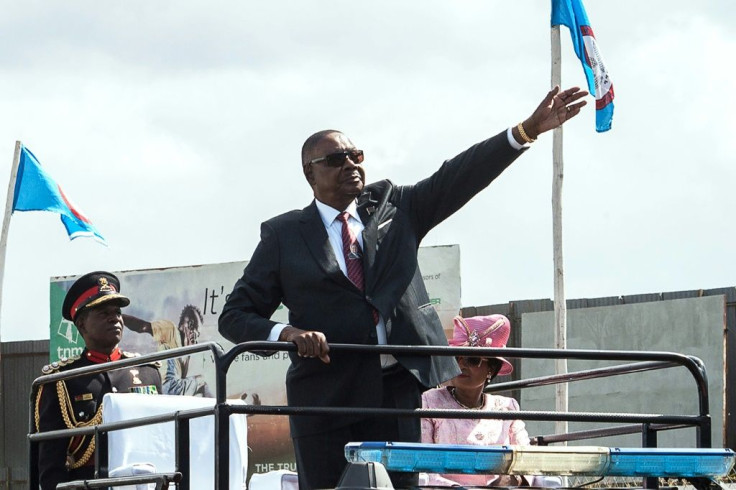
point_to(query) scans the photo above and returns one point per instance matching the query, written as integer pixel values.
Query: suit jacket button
(372, 335)
(369, 299)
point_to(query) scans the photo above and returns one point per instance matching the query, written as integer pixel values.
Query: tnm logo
(67, 330)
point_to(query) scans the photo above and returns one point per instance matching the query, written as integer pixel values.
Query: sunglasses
(470, 361)
(338, 159)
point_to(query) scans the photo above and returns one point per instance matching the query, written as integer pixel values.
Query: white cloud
(177, 128)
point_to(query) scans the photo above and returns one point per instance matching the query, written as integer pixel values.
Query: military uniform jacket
(77, 402)
(294, 264)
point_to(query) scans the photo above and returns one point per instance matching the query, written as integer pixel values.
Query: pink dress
(480, 432)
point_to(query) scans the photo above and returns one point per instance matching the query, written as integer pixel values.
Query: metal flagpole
(3, 247)
(6, 219)
(561, 396)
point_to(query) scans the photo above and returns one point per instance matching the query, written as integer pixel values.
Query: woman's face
(474, 373)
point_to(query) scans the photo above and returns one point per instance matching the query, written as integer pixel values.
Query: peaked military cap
(91, 290)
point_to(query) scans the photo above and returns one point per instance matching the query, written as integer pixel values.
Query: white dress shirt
(333, 226)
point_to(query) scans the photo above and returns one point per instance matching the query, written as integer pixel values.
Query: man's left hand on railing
(309, 343)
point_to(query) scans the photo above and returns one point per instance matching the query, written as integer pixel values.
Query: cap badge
(105, 286)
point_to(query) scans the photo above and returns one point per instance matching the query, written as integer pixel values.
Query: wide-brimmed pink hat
(483, 331)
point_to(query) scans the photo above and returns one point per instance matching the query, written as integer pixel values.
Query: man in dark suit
(93, 303)
(346, 267)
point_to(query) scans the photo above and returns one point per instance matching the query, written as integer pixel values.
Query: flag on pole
(35, 190)
(571, 13)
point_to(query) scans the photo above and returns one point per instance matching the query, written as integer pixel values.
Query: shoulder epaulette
(56, 365)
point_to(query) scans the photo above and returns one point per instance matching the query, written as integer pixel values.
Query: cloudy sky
(176, 127)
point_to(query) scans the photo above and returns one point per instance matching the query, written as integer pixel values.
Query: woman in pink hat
(466, 392)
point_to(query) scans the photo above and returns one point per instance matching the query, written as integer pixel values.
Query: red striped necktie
(353, 257)
(352, 253)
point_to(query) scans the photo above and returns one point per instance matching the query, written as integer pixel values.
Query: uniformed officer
(93, 303)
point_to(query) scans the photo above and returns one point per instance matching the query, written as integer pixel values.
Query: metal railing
(647, 424)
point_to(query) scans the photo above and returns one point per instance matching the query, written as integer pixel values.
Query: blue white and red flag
(571, 13)
(35, 190)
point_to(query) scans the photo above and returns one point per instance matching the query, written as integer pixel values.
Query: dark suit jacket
(295, 264)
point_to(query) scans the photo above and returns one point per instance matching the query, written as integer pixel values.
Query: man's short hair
(312, 141)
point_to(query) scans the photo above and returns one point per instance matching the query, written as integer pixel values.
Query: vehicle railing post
(101, 462)
(222, 446)
(222, 425)
(181, 450)
(703, 433)
(649, 439)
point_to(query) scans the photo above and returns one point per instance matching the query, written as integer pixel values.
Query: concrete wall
(21, 364)
(693, 326)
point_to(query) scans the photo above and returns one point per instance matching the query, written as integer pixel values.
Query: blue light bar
(670, 462)
(533, 460)
(406, 456)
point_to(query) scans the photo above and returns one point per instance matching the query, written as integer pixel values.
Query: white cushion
(135, 469)
(154, 444)
(274, 480)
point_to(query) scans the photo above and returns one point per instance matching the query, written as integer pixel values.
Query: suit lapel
(313, 231)
(367, 208)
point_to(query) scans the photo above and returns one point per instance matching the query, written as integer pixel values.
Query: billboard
(162, 299)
